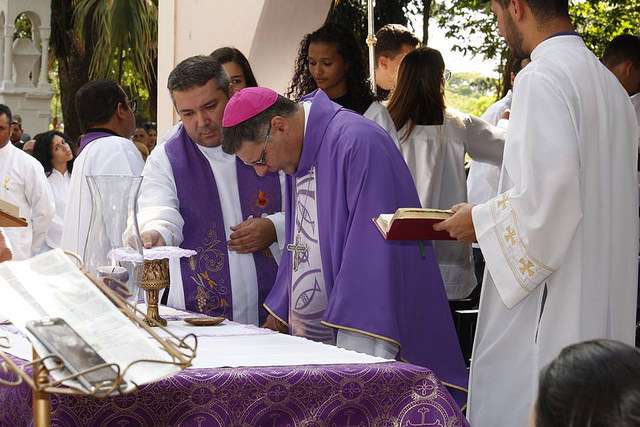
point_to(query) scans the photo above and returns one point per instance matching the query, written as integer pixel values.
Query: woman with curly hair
(331, 59)
(54, 152)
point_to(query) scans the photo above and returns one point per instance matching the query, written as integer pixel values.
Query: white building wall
(268, 32)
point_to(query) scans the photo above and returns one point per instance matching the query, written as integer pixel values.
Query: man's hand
(275, 325)
(151, 238)
(460, 225)
(252, 235)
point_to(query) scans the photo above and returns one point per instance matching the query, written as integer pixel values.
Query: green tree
(472, 27)
(93, 39)
(471, 93)
(353, 14)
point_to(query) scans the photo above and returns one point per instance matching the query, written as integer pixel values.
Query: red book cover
(411, 225)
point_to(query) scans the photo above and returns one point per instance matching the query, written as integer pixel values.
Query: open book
(10, 215)
(412, 224)
(50, 286)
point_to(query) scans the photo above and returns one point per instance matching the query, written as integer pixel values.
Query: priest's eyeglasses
(263, 157)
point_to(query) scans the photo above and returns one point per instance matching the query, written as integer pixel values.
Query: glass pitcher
(114, 247)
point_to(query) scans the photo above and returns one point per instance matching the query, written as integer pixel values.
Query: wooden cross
(298, 249)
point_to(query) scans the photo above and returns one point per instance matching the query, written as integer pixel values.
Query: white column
(2, 50)
(8, 56)
(43, 82)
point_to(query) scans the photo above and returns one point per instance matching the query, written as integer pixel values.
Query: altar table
(299, 392)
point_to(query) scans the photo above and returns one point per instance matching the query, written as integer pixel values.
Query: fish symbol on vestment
(305, 217)
(306, 297)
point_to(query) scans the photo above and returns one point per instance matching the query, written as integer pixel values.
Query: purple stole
(91, 136)
(205, 276)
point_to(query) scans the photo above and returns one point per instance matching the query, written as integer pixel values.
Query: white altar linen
(234, 345)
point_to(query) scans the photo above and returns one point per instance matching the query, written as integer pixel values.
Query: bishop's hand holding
(460, 225)
(275, 325)
(151, 239)
(252, 235)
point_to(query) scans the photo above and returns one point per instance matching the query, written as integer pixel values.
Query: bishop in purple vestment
(390, 291)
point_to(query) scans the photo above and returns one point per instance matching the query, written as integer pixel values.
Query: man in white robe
(199, 89)
(622, 57)
(24, 184)
(561, 239)
(107, 120)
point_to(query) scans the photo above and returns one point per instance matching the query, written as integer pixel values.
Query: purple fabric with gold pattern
(205, 277)
(385, 394)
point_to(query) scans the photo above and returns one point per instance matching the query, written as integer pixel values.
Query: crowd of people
(276, 194)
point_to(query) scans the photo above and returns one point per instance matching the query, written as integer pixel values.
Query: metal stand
(41, 403)
(181, 349)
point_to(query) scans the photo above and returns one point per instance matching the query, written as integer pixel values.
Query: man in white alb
(196, 196)
(561, 239)
(622, 57)
(107, 121)
(23, 183)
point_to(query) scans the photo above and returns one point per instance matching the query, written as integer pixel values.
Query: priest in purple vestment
(196, 196)
(340, 282)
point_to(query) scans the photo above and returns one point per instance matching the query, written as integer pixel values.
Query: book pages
(50, 285)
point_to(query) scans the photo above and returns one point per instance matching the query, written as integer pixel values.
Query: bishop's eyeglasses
(263, 157)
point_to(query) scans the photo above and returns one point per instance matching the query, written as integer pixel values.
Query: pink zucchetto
(246, 104)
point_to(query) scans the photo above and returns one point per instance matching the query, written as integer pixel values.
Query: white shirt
(159, 210)
(112, 155)
(23, 183)
(59, 185)
(435, 156)
(635, 101)
(561, 240)
(483, 178)
(379, 114)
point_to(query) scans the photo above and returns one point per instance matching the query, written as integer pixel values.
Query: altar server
(433, 142)
(23, 183)
(107, 121)
(561, 239)
(330, 59)
(340, 282)
(196, 196)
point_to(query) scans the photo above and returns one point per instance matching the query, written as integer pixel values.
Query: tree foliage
(352, 14)
(472, 28)
(92, 39)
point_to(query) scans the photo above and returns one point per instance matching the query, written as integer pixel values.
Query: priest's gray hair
(197, 71)
(255, 129)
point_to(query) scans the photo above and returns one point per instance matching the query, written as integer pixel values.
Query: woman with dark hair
(54, 152)
(331, 59)
(433, 142)
(593, 383)
(237, 67)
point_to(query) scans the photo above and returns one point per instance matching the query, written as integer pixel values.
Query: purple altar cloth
(385, 394)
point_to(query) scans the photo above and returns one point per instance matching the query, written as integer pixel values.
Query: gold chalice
(155, 276)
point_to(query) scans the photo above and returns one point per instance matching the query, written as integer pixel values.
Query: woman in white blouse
(433, 142)
(54, 152)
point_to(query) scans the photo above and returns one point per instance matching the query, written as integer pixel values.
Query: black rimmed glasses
(263, 157)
